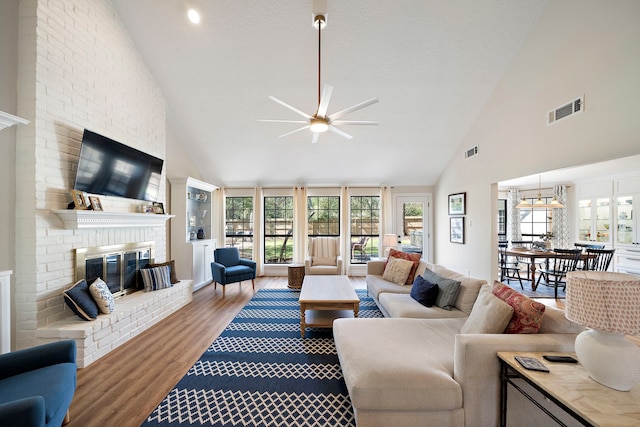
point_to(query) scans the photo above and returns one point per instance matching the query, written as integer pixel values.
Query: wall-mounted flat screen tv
(110, 168)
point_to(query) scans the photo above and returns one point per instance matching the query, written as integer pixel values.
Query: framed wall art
(457, 204)
(456, 229)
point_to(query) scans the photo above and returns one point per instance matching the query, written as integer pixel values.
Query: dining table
(533, 255)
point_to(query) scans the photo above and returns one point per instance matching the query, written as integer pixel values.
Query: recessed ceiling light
(194, 16)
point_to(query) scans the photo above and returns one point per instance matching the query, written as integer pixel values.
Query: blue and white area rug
(260, 372)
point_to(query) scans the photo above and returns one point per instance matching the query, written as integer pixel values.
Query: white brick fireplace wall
(78, 68)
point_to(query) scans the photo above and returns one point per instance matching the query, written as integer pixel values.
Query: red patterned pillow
(415, 258)
(527, 313)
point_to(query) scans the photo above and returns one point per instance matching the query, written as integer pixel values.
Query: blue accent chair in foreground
(37, 385)
(228, 267)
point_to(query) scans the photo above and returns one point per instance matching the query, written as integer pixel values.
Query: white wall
(8, 99)
(78, 69)
(580, 47)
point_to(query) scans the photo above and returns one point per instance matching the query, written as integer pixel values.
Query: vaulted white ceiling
(432, 64)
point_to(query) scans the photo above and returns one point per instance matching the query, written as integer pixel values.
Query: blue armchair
(37, 385)
(228, 267)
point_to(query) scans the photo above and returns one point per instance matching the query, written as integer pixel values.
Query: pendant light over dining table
(539, 203)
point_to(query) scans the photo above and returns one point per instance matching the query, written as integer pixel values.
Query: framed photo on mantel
(79, 200)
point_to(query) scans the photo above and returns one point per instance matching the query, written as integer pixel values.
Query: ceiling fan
(321, 121)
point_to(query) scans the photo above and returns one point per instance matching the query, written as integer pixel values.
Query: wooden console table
(569, 386)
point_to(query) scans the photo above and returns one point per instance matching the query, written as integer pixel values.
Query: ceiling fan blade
(324, 100)
(340, 132)
(314, 139)
(356, 107)
(291, 107)
(294, 131)
(354, 122)
(282, 121)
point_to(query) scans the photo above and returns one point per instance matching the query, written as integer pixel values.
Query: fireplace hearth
(117, 265)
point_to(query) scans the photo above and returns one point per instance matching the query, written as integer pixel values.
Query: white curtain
(258, 232)
(345, 229)
(513, 215)
(386, 219)
(218, 231)
(560, 228)
(300, 234)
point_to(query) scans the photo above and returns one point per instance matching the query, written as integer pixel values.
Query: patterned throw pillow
(490, 315)
(527, 313)
(397, 270)
(414, 258)
(172, 271)
(79, 299)
(102, 296)
(156, 278)
(424, 292)
(449, 289)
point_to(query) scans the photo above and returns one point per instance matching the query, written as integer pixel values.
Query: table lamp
(608, 304)
(389, 241)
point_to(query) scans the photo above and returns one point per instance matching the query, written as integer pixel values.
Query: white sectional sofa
(422, 371)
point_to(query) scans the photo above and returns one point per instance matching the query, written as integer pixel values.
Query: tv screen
(110, 168)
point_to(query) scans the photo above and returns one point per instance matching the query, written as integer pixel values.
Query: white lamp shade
(389, 240)
(609, 303)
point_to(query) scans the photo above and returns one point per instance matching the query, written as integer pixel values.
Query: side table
(569, 386)
(295, 276)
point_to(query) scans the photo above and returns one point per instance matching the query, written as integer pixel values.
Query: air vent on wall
(567, 110)
(471, 152)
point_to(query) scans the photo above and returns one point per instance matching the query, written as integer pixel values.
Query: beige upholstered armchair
(324, 256)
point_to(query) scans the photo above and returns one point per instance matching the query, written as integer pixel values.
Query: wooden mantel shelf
(82, 219)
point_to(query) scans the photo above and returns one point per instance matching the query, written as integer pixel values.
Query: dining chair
(565, 261)
(509, 268)
(598, 259)
(527, 244)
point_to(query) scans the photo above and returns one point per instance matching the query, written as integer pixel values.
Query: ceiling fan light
(319, 125)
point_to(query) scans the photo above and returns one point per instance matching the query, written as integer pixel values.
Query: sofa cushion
(469, 287)
(79, 299)
(527, 313)
(402, 305)
(448, 289)
(316, 260)
(554, 322)
(424, 292)
(420, 378)
(414, 258)
(397, 270)
(102, 296)
(490, 315)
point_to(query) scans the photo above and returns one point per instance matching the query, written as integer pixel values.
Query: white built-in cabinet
(191, 243)
(627, 242)
(5, 311)
(594, 213)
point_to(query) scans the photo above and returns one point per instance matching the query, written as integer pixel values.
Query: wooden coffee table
(324, 299)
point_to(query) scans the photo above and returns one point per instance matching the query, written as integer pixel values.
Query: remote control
(531, 364)
(560, 359)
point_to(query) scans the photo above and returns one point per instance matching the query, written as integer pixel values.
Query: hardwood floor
(123, 387)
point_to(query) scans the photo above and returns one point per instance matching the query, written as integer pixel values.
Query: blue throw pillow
(424, 292)
(80, 301)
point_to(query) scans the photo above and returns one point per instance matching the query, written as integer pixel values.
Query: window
(502, 220)
(278, 229)
(323, 216)
(535, 222)
(239, 225)
(364, 228)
